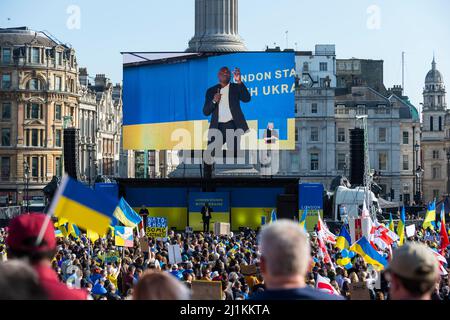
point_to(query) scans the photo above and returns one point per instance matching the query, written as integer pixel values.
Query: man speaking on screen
(222, 101)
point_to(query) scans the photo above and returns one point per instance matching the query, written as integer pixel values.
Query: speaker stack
(71, 162)
(357, 157)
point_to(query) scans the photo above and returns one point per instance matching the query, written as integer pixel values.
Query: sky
(373, 29)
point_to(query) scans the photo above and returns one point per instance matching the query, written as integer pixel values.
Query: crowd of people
(287, 265)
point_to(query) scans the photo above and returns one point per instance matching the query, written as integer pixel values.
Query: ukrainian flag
(88, 209)
(126, 215)
(391, 223)
(369, 254)
(401, 227)
(273, 216)
(343, 240)
(73, 231)
(430, 216)
(302, 221)
(58, 234)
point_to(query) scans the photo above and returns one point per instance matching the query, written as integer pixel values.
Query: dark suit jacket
(204, 217)
(237, 93)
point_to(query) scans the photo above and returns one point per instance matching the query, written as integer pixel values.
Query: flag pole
(51, 210)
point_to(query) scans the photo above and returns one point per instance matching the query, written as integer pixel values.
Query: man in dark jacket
(222, 102)
(206, 216)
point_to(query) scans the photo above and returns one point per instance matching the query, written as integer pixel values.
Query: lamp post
(419, 172)
(26, 173)
(415, 160)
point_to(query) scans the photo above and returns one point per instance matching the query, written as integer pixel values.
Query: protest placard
(174, 253)
(410, 230)
(206, 290)
(222, 228)
(143, 244)
(123, 236)
(359, 291)
(156, 227)
(248, 270)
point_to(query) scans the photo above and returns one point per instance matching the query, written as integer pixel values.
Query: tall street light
(26, 173)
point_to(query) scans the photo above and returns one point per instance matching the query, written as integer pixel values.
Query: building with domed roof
(38, 95)
(435, 136)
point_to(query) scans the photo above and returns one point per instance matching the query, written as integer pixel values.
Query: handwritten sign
(206, 290)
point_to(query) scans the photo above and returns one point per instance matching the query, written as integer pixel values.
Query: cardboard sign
(156, 227)
(153, 232)
(359, 291)
(410, 230)
(143, 244)
(248, 270)
(221, 228)
(174, 253)
(123, 236)
(206, 290)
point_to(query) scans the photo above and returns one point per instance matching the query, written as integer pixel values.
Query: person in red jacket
(21, 244)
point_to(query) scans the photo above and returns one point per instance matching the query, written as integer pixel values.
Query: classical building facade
(435, 136)
(38, 94)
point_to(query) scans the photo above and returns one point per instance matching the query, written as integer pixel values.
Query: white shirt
(224, 105)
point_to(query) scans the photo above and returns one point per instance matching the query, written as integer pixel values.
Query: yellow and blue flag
(302, 220)
(58, 234)
(430, 216)
(126, 215)
(343, 240)
(87, 208)
(401, 227)
(73, 231)
(369, 254)
(391, 223)
(273, 216)
(91, 235)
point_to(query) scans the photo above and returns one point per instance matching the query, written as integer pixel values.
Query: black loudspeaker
(287, 206)
(357, 157)
(71, 162)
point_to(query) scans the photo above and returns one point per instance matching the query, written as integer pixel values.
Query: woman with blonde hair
(157, 285)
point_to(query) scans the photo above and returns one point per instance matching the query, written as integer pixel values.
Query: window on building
(305, 67)
(323, 66)
(314, 161)
(58, 83)
(440, 123)
(361, 109)
(6, 55)
(6, 80)
(322, 82)
(314, 134)
(58, 112)
(34, 84)
(34, 111)
(382, 161)
(34, 166)
(6, 111)
(431, 123)
(435, 154)
(6, 137)
(313, 107)
(341, 163)
(341, 135)
(58, 137)
(405, 137)
(381, 134)
(405, 162)
(59, 58)
(34, 137)
(35, 55)
(297, 134)
(58, 167)
(5, 163)
(436, 172)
